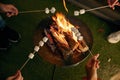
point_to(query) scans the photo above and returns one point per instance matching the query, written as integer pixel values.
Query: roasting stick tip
(90, 52)
(24, 64)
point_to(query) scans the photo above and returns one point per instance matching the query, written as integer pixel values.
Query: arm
(91, 68)
(9, 9)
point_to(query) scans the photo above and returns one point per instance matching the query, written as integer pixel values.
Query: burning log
(65, 41)
(59, 38)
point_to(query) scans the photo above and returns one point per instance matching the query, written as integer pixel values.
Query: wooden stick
(26, 62)
(101, 7)
(31, 11)
(90, 52)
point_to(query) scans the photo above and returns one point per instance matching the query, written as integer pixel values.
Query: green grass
(38, 68)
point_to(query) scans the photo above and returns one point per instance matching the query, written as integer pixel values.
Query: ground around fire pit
(38, 68)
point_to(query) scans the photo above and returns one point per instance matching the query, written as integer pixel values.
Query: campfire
(65, 40)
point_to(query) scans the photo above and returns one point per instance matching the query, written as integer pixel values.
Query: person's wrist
(92, 75)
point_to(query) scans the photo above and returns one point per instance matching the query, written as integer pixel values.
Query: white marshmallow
(31, 56)
(80, 38)
(76, 13)
(45, 39)
(47, 10)
(74, 30)
(41, 43)
(82, 11)
(36, 48)
(78, 34)
(53, 10)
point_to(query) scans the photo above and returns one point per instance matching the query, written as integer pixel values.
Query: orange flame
(64, 26)
(64, 36)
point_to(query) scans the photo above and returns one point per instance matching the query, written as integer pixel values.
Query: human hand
(113, 3)
(9, 9)
(17, 76)
(92, 66)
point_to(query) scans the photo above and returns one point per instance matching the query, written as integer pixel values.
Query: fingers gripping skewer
(83, 11)
(36, 49)
(46, 10)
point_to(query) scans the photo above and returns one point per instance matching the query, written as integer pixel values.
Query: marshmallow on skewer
(78, 34)
(76, 13)
(36, 48)
(47, 10)
(45, 39)
(31, 55)
(53, 10)
(80, 38)
(82, 11)
(41, 43)
(74, 30)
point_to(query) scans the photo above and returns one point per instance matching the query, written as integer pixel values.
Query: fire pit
(69, 40)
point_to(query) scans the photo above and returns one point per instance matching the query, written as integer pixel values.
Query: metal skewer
(83, 11)
(90, 52)
(36, 49)
(32, 11)
(26, 62)
(101, 7)
(46, 10)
